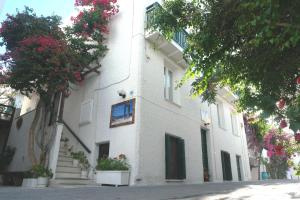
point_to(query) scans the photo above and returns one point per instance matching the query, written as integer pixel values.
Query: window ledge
(172, 102)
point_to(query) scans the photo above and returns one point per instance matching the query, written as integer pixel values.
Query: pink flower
(283, 124)
(280, 104)
(297, 137)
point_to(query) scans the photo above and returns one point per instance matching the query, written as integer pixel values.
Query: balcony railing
(179, 37)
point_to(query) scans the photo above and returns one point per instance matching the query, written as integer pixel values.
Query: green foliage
(261, 128)
(77, 155)
(112, 164)
(6, 157)
(251, 46)
(83, 161)
(41, 171)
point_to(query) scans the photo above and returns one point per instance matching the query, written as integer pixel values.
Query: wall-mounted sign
(122, 113)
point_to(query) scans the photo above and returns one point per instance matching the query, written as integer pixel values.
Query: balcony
(172, 49)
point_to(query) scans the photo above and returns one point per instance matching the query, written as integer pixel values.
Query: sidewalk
(189, 192)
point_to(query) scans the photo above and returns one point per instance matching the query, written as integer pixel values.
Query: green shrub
(6, 157)
(116, 164)
(77, 155)
(41, 171)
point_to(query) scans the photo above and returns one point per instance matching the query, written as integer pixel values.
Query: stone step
(58, 182)
(64, 155)
(64, 163)
(60, 169)
(61, 175)
(64, 159)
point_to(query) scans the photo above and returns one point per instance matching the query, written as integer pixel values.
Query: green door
(226, 166)
(238, 164)
(174, 157)
(204, 155)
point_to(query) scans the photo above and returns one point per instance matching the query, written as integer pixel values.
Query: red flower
(105, 14)
(104, 29)
(283, 124)
(279, 150)
(298, 80)
(77, 76)
(280, 104)
(297, 137)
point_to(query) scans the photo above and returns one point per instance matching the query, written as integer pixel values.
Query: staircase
(66, 174)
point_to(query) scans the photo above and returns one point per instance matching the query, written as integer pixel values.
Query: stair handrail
(76, 137)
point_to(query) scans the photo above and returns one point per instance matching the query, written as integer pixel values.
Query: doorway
(205, 155)
(103, 151)
(226, 166)
(175, 157)
(238, 164)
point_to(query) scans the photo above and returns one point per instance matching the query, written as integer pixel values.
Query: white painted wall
(133, 65)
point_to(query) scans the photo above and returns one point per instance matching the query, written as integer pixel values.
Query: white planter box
(42, 181)
(29, 182)
(112, 177)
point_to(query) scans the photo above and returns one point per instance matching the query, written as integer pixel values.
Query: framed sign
(122, 113)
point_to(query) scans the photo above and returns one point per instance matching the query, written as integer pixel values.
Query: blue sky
(63, 8)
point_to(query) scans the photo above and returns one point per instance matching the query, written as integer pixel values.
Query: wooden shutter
(181, 159)
(168, 156)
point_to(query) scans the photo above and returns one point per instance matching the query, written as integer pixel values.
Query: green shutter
(181, 159)
(168, 156)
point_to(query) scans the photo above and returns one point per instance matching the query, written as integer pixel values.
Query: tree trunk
(32, 130)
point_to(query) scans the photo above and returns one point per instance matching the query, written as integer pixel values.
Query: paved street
(270, 190)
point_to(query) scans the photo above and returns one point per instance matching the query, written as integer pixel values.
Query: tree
(251, 46)
(44, 59)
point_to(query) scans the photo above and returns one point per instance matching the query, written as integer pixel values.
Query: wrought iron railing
(76, 137)
(179, 37)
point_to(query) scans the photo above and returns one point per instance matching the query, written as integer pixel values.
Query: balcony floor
(170, 48)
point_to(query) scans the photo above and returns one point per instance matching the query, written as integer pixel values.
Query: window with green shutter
(175, 157)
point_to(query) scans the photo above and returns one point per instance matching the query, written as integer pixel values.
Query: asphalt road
(264, 190)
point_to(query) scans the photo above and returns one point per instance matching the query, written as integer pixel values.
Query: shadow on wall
(18, 138)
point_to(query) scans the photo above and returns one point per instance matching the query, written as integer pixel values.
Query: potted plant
(76, 157)
(65, 141)
(43, 175)
(84, 165)
(30, 179)
(113, 171)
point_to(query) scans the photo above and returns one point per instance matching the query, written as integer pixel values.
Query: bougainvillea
(43, 58)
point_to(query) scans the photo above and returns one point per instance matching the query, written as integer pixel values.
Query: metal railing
(151, 11)
(75, 136)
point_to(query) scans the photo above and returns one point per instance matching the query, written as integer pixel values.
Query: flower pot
(29, 182)
(75, 163)
(84, 174)
(42, 181)
(112, 177)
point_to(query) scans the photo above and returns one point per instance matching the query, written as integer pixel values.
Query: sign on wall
(122, 113)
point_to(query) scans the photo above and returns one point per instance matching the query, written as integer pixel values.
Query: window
(175, 157)
(168, 84)
(122, 113)
(220, 110)
(103, 151)
(234, 124)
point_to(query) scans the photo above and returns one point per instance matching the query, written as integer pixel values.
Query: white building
(168, 136)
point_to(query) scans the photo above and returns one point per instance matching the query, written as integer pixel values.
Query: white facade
(136, 64)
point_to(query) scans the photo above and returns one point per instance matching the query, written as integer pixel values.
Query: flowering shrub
(43, 58)
(118, 163)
